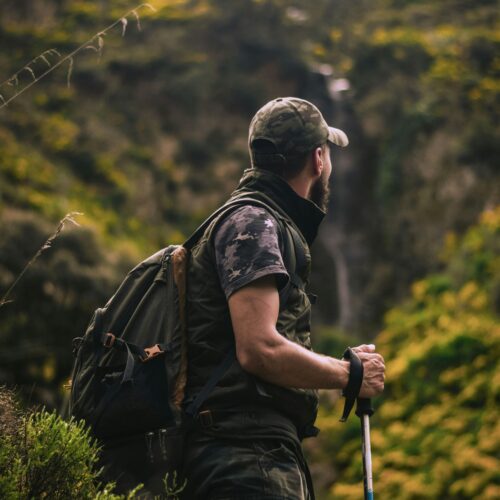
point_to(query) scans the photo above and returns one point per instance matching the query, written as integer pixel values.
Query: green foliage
(43, 456)
(436, 432)
(59, 459)
(69, 279)
(172, 487)
(424, 80)
(332, 341)
(151, 136)
(444, 72)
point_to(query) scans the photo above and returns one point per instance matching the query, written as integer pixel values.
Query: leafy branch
(68, 218)
(172, 488)
(96, 43)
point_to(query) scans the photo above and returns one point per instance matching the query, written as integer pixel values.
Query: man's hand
(373, 371)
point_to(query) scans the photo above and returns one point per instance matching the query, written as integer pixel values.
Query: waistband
(254, 425)
(250, 422)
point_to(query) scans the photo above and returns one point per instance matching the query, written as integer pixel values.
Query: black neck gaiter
(306, 215)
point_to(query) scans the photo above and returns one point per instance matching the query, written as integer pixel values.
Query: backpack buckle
(152, 352)
(108, 340)
(205, 419)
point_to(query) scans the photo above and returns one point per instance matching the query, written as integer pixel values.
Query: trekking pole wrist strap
(351, 390)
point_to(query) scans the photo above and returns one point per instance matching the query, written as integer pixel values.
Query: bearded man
(249, 317)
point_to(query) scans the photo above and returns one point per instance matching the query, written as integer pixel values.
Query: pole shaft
(367, 457)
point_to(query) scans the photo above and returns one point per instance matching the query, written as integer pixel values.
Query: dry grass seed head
(124, 22)
(70, 71)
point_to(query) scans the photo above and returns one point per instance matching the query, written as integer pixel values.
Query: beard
(320, 193)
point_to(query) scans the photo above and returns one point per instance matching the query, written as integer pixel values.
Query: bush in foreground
(44, 456)
(436, 432)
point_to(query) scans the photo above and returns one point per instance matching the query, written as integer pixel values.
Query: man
(246, 280)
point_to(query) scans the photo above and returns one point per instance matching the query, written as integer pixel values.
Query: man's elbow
(256, 359)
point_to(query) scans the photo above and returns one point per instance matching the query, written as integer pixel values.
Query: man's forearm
(287, 364)
(264, 352)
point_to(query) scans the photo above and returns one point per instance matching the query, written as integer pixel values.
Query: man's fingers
(364, 348)
(366, 356)
(374, 370)
(374, 374)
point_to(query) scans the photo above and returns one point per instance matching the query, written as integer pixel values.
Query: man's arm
(262, 351)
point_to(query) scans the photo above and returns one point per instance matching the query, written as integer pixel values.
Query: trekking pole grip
(364, 407)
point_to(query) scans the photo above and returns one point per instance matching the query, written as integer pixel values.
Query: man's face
(320, 190)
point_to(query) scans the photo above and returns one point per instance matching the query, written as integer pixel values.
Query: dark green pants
(141, 459)
(219, 468)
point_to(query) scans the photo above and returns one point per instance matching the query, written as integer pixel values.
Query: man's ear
(318, 162)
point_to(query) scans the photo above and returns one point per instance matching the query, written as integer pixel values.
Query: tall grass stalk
(96, 42)
(68, 218)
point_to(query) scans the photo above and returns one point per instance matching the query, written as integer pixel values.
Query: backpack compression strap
(110, 341)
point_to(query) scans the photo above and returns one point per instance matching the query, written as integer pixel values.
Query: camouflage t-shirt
(247, 247)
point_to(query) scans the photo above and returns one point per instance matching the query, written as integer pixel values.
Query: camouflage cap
(294, 126)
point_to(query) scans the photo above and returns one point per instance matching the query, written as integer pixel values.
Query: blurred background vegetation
(151, 136)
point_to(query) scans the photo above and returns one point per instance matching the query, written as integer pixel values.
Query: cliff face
(420, 85)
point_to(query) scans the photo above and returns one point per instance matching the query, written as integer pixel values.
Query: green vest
(210, 334)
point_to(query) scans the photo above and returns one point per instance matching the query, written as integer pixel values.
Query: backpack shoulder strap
(223, 210)
(294, 259)
(192, 410)
(294, 254)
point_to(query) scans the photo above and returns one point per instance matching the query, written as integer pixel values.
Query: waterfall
(344, 235)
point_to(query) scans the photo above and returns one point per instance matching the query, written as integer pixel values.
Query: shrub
(44, 456)
(435, 433)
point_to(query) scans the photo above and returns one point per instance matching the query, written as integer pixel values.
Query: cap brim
(338, 137)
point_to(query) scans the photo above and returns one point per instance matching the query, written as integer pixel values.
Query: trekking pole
(364, 411)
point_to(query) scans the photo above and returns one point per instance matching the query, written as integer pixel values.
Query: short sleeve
(247, 247)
